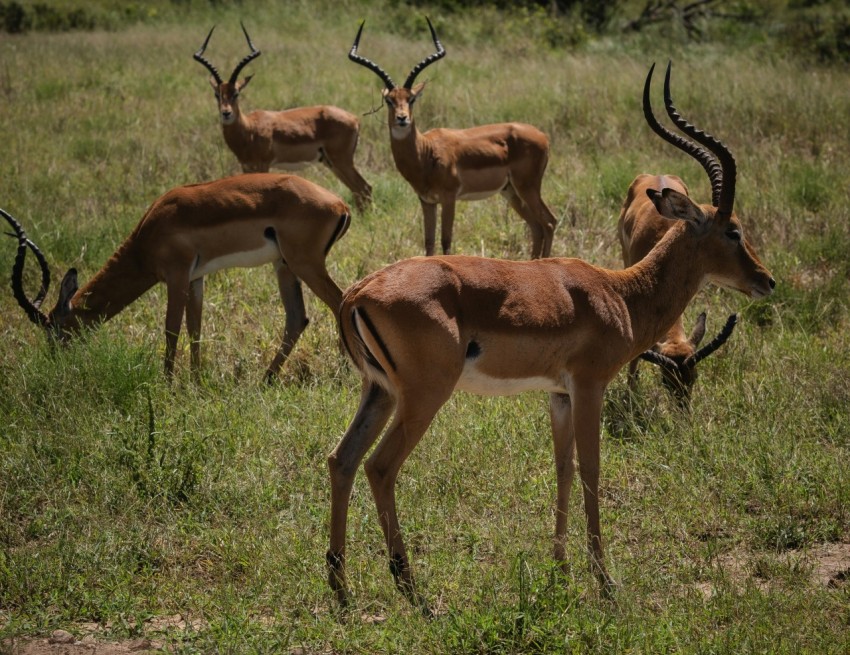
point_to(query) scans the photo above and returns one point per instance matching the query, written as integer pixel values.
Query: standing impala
(640, 227)
(444, 166)
(423, 328)
(290, 139)
(195, 230)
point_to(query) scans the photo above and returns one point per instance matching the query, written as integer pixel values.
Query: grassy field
(196, 514)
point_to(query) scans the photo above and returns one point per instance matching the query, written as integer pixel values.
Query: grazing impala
(423, 328)
(195, 230)
(640, 227)
(290, 139)
(444, 166)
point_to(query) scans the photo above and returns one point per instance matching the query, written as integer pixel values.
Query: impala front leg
(178, 292)
(429, 214)
(447, 222)
(563, 437)
(587, 415)
(194, 310)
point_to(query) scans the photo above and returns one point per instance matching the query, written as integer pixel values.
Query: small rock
(139, 644)
(61, 637)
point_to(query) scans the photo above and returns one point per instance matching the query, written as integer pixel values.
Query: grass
(124, 499)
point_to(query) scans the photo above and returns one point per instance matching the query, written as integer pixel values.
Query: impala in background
(444, 166)
(290, 139)
(195, 230)
(642, 225)
(423, 328)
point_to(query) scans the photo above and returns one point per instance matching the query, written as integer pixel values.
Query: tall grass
(124, 498)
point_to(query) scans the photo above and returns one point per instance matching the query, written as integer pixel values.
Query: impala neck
(120, 282)
(411, 153)
(659, 287)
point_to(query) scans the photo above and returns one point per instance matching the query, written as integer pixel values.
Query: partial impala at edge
(195, 230)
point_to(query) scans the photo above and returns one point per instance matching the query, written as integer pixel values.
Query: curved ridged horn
(430, 59)
(715, 343)
(30, 307)
(659, 360)
(722, 184)
(368, 63)
(247, 58)
(199, 57)
(703, 156)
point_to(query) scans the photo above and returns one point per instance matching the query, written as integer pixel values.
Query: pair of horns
(199, 57)
(31, 307)
(411, 78)
(699, 355)
(710, 152)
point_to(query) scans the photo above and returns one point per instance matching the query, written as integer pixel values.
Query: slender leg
(538, 215)
(194, 309)
(177, 297)
(429, 212)
(587, 414)
(296, 316)
(376, 406)
(382, 468)
(342, 165)
(447, 222)
(563, 436)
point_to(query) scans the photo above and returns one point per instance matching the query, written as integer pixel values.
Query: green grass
(124, 499)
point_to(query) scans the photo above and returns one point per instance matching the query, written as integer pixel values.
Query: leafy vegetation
(124, 499)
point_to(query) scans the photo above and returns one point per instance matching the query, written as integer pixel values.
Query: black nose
(772, 283)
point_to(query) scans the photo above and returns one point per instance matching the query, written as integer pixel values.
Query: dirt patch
(827, 565)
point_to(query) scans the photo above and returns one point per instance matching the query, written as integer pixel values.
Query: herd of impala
(422, 328)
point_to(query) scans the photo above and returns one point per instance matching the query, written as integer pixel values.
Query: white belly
(294, 165)
(474, 381)
(243, 259)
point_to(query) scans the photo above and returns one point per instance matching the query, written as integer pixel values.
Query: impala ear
(67, 290)
(699, 331)
(241, 85)
(416, 91)
(672, 204)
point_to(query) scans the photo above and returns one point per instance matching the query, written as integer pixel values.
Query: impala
(423, 328)
(640, 227)
(290, 139)
(444, 166)
(195, 230)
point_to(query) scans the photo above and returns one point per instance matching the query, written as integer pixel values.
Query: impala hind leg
(289, 287)
(382, 468)
(342, 166)
(376, 406)
(563, 437)
(429, 216)
(528, 203)
(194, 309)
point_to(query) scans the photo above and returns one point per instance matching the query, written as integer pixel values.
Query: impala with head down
(444, 166)
(195, 230)
(290, 139)
(423, 328)
(642, 225)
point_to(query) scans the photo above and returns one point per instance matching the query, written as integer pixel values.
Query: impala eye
(734, 234)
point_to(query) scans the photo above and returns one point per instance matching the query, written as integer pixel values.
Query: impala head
(399, 99)
(730, 260)
(227, 93)
(678, 360)
(61, 322)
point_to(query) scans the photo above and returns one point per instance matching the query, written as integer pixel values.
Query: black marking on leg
(473, 350)
(397, 566)
(335, 560)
